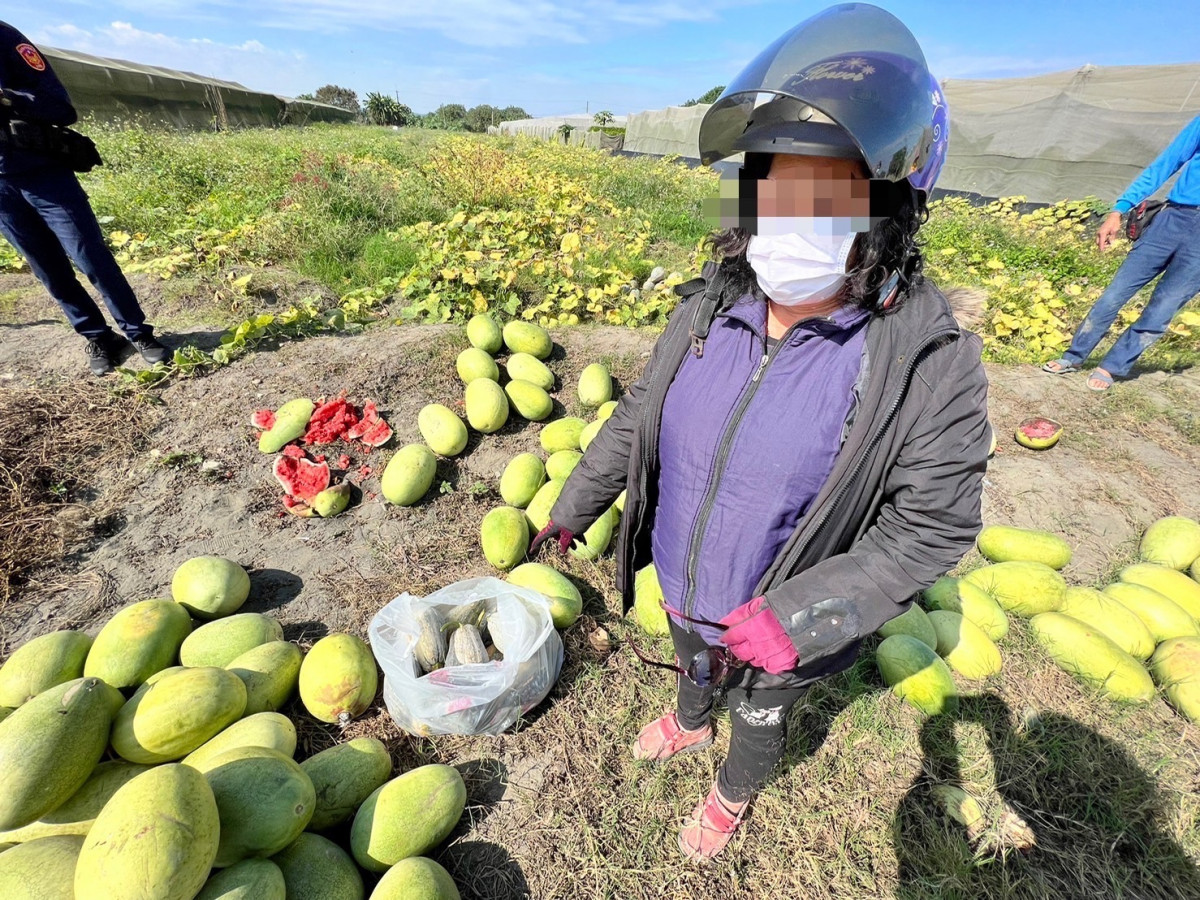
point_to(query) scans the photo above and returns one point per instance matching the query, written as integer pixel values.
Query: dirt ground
(200, 486)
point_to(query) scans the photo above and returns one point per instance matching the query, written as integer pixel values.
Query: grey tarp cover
(113, 89)
(1066, 135)
(663, 132)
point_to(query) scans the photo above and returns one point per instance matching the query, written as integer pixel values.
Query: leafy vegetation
(708, 96)
(442, 226)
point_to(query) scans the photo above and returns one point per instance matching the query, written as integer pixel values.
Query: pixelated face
(800, 194)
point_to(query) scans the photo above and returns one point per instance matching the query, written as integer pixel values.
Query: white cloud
(250, 62)
(482, 23)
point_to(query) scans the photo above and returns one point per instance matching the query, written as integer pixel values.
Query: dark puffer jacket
(900, 508)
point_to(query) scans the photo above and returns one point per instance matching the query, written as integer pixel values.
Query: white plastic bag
(479, 698)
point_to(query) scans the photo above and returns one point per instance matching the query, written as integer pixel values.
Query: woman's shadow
(1072, 815)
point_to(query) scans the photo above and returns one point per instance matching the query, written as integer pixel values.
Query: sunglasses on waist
(711, 666)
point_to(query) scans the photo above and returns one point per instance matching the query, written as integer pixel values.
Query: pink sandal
(711, 827)
(664, 737)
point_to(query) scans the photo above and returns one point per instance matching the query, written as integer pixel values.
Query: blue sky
(562, 56)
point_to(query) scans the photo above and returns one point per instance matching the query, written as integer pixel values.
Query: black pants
(47, 217)
(758, 717)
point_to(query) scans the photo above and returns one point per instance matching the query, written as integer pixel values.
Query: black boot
(153, 351)
(102, 353)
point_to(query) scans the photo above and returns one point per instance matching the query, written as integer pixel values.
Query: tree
(708, 96)
(480, 117)
(565, 130)
(337, 96)
(383, 110)
(604, 117)
(511, 114)
(453, 114)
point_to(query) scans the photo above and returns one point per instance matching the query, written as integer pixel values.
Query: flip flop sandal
(710, 828)
(1058, 367)
(1106, 381)
(664, 738)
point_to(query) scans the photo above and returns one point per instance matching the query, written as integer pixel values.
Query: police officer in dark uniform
(45, 214)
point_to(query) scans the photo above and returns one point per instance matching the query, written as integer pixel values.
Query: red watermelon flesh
(263, 418)
(1038, 433)
(1040, 428)
(330, 421)
(295, 452)
(371, 429)
(301, 478)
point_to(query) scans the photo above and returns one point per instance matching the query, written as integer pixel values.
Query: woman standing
(805, 449)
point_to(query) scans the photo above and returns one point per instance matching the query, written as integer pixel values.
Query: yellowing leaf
(1189, 317)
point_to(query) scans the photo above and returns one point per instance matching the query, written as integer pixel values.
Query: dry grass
(53, 441)
(1081, 797)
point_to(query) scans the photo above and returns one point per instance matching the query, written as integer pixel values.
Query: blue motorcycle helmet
(850, 82)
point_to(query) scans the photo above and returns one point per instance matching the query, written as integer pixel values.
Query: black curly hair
(888, 247)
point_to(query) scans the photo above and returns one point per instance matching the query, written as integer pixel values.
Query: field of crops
(346, 261)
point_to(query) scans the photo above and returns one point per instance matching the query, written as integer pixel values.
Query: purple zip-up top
(748, 437)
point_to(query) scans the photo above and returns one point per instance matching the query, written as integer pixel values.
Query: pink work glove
(563, 536)
(754, 635)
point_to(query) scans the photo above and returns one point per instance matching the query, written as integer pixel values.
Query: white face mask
(807, 265)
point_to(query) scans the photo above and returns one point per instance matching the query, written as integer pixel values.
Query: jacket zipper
(799, 549)
(710, 498)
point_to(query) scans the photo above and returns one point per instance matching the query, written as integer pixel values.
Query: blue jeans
(46, 216)
(1171, 245)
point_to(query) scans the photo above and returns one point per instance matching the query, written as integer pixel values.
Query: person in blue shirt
(1170, 246)
(46, 216)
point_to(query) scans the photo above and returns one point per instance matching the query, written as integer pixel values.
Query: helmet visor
(858, 66)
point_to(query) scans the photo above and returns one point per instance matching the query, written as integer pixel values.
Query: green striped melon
(1111, 618)
(408, 816)
(1024, 588)
(50, 746)
(219, 643)
(1176, 667)
(916, 674)
(315, 868)
(168, 719)
(40, 664)
(251, 879)
(344, 776)
(264, 800)
(1005, 543)
(1087, 654)
(964, 646)
(1171, 583)
(139, 640)
(522, 478)
(270, 672)
(1163, 617)
(264, 729)
(157, 837)
(42, 869)
(913, 621)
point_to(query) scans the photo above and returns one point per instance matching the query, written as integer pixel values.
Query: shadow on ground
(1072, 815)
